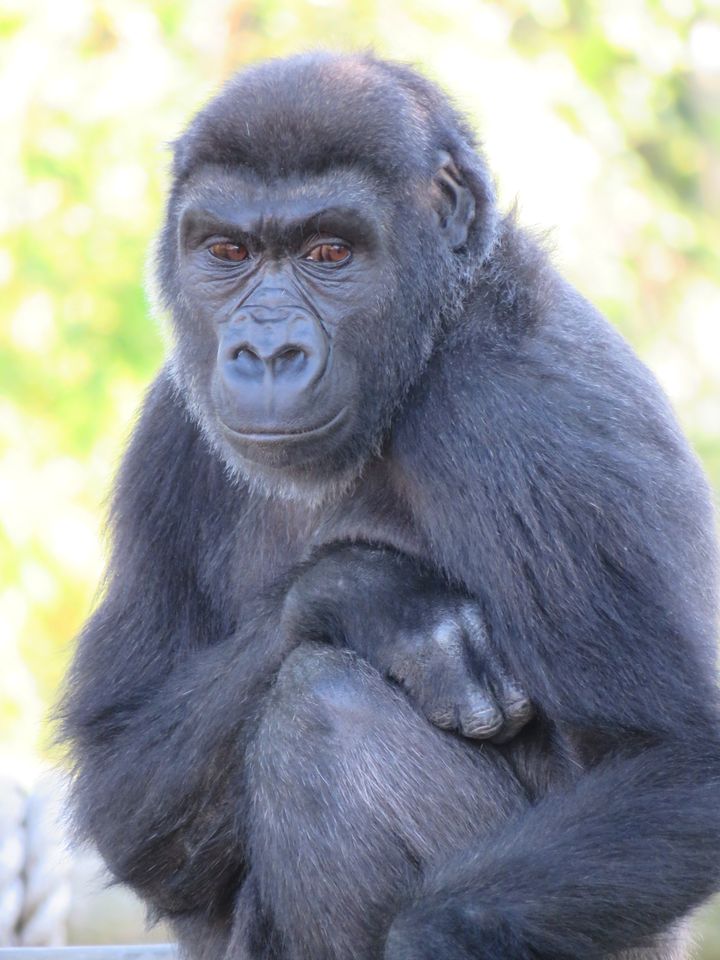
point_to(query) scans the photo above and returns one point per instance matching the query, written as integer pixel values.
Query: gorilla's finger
(514, 700)
(474, 627)
(443, 715)
(480, 717)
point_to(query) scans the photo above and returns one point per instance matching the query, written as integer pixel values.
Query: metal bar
(159, 951)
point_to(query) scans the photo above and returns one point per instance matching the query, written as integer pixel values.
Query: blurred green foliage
(603, 118)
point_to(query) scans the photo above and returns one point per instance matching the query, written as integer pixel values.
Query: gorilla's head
(325, 214)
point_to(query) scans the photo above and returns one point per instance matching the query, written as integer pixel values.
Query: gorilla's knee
(313, 663)
(325, 690)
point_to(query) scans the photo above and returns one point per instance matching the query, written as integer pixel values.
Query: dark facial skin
(282, 281)
(272, 279)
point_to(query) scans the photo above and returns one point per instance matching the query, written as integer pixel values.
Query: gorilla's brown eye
(229, 251)
(329, 253)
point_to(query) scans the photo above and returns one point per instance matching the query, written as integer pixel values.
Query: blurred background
(602, 119)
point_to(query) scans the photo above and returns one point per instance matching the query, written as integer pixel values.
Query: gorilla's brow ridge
(348, 222)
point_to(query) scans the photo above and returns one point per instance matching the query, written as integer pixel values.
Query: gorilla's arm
(159, 784)
(169, 680)
(415, 628)
(569, 503)
(159, 698)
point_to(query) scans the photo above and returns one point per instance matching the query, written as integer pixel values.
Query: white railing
(161, 951)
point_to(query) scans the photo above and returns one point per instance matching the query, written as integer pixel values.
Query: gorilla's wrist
(336, 596)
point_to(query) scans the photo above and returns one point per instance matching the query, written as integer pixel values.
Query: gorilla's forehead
(227, 181)
(310, 112)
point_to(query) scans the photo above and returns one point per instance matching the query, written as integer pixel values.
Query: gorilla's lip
(273, 436)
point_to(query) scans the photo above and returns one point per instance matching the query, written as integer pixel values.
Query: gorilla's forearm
(159, 783)
(586, 530)
(158, 700)
(415, 628)
(586, 872)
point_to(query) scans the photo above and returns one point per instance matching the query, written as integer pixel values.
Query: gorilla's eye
(329, 253)
(229, 251)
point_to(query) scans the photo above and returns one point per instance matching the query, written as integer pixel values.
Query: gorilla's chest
(272, 536)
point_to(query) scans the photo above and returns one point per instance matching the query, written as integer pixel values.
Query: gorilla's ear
(454, 203)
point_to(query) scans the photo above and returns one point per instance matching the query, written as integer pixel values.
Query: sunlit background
(601, 119)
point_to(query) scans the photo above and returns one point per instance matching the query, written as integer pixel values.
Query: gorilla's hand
(443, 663)
(414, 629)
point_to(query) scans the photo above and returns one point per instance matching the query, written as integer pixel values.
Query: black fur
(278, 798)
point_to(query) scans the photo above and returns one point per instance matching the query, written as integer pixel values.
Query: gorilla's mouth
(286, 436)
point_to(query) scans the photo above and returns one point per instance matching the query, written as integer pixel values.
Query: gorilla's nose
(275, 356)
(253, 358)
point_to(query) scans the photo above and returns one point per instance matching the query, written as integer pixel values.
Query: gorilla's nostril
(289, 353)
(289, 360)
(244, 349)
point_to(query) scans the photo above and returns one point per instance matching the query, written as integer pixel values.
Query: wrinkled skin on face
(293, 294)
(276, 327)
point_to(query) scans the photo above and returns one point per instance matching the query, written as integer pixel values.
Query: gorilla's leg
(353, 793)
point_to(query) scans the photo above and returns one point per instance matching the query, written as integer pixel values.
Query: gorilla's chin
(297, 448)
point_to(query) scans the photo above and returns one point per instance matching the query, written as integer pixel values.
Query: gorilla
(406, 645)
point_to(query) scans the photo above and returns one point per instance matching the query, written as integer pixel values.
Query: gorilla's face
(283, 285)
(325, 216)
(306, 309)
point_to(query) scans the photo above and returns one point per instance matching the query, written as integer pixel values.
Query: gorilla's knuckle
(472, 616)
(447, 635)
